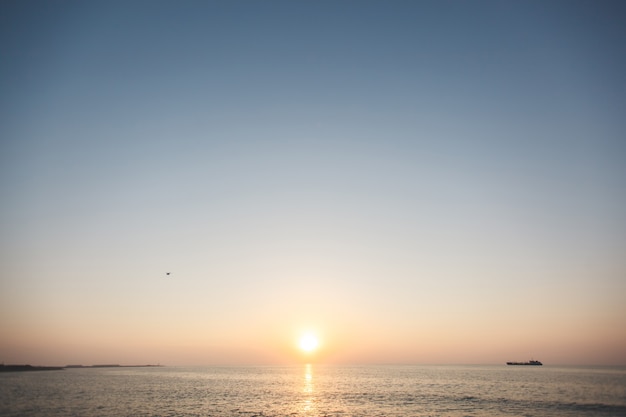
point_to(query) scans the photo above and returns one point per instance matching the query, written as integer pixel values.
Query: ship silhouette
(530, 362)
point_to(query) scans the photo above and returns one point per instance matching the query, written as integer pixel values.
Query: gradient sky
(415, 182)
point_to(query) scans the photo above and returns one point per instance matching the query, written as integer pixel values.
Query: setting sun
(308, 342)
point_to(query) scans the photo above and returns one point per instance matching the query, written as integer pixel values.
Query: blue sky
(442, 163)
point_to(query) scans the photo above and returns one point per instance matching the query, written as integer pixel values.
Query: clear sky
(410, 181)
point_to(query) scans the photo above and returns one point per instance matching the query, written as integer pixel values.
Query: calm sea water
(312, 390)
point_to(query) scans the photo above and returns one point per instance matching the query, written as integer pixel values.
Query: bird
(167, 273)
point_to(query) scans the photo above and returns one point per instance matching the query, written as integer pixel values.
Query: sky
(412, 182)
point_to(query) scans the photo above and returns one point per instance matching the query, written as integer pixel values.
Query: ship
(531, 362)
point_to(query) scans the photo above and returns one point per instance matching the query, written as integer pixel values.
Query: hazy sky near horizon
(415, 182)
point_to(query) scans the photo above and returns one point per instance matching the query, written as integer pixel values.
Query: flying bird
(167, 273)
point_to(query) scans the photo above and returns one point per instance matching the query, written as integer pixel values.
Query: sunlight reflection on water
(308, 405)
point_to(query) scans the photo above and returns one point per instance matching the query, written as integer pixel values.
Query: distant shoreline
(26, 368)
(111, 366)
(30, 368)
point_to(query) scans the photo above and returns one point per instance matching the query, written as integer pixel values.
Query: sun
(308, 342)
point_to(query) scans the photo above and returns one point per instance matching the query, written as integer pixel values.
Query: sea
(316, 390)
